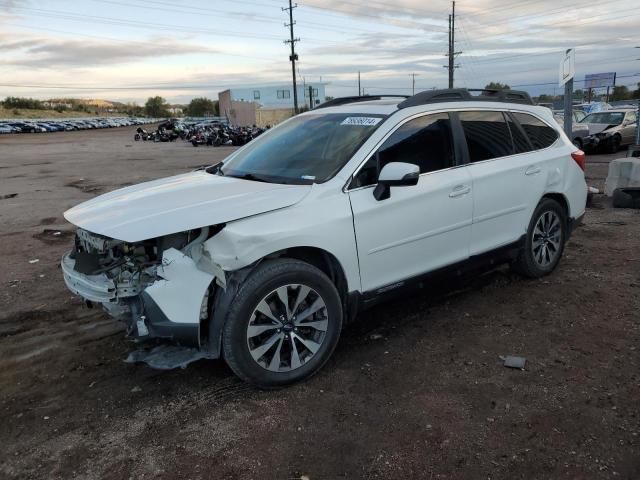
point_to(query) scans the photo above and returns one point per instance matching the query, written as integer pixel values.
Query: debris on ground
(513, 362)
(10, 195)
(167, 357)
(35, 260)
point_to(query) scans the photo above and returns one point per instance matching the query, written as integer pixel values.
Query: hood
(598, 127)
(180, 203)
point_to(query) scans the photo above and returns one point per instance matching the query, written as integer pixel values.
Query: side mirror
(395, 174)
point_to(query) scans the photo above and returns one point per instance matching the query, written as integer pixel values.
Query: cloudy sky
(130, 49)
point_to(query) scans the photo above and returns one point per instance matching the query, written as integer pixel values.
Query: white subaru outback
(262, 258)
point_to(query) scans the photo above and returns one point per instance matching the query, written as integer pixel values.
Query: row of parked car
(70, 124)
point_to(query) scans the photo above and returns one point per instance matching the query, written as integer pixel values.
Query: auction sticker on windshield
(361, 121)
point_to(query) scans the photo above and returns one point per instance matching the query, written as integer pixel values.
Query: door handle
(533, 170)
(459, 191)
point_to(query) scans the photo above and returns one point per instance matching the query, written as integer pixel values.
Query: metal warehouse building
(262, 105)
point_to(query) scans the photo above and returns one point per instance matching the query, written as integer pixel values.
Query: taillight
(580, 158)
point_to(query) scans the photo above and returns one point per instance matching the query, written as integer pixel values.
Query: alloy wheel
(287, 328)
(547, 238)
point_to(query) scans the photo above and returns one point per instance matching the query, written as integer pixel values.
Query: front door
(419, 228)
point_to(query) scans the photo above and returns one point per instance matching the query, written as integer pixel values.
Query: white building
(281, 96)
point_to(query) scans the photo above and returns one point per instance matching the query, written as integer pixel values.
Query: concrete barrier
(623, 172)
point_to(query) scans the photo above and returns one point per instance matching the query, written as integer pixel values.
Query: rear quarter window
(487, 135)
(540, 134)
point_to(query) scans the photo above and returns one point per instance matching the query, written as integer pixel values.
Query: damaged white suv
(261, 259)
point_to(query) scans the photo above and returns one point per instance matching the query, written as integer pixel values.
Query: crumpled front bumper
(170, 308)
(95, 288)
(590, 141)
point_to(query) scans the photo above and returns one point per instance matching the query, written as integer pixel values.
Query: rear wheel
(283, 325)
(545, 240)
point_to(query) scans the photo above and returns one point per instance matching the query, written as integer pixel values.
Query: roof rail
(464, 95)
(363, 98)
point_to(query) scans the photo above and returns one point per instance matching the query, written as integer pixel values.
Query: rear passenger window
(424, 141)
(540, 134)
(487, 135)
(520, 142)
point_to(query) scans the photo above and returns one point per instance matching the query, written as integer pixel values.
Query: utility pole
(294, 56)
(413, 83)
(359, 88)
(452, 44)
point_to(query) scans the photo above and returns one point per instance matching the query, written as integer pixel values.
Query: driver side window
(424, 141)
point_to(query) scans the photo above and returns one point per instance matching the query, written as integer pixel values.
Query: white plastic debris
(594, 190)
(623, 173)
(35, 260)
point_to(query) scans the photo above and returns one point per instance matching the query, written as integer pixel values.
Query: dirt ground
(415, 388)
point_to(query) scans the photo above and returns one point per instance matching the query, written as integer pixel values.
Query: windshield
(608, 118)
(306, 149)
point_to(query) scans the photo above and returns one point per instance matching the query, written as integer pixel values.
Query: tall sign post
(567, 72)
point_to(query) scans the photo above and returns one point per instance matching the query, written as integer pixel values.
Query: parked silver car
(579, 131)
(610, 129)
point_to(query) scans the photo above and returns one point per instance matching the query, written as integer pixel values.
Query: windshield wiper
(252, 177)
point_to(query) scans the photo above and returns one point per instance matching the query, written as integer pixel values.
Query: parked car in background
(578, 131)
(594, 107)
(262, 258)
(610, 130)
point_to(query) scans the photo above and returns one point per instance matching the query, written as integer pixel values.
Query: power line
(154, 26)
(417, 25)
(200, 12)
(565, 24)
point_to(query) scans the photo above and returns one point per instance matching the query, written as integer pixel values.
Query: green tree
(201, 107)
(20, 102)
(497, 86)
(156, 107)
(620, 93)
(636, 93)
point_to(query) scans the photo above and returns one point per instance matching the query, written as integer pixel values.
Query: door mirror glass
(395, 174)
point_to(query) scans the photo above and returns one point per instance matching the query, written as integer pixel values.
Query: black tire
(262, 282)
(614, 144)
(526, 263)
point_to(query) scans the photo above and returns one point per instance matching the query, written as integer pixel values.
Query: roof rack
(336, 102)
(464, 95)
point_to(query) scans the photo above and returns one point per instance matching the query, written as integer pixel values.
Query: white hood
(180, 203)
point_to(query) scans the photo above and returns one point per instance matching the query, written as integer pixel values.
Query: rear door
(421, 227)
(509, 167)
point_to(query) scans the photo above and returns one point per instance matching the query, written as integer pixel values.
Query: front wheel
(614, 144)
(545, 240)
(283, 325)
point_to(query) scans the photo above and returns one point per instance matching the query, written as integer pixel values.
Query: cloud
(512, 42)
(47, 53)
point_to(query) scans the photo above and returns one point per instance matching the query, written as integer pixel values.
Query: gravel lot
(414, 390)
